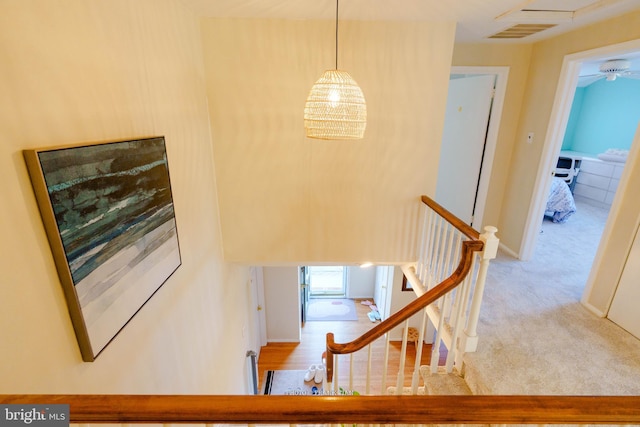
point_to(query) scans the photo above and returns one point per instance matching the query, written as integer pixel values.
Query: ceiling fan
(610, 70)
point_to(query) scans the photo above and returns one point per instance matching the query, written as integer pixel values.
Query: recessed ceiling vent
(519, 31)
(532, 16)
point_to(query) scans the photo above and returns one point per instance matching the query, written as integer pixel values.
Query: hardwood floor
(299, 356)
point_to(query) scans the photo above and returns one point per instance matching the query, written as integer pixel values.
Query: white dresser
(598, 180)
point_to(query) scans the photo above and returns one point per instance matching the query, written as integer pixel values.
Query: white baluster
(429, 254)
(435, 351)
(446, 306)
(335, 374)
(458, 247)
(458, 244)
(433, 219)
(351, 371)
(470, 336)
(423, 242)
(403, 358)
(437, 249)
(416, 369)
(446, 255)
(385, 365)
(457, 321)
(368, 384)
(452, 248)
(437, 256)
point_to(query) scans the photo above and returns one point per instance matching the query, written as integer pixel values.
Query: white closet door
(463, 140)
(624, 308)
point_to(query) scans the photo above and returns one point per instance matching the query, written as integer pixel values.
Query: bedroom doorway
(552, 146)
(555, 132)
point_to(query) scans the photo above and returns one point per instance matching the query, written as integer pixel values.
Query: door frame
(556, 128)
(345, 284)
(383, 289)
(555, 132)
(495, 116)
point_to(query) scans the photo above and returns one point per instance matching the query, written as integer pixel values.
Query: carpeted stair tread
(406, 391)
(443, 383)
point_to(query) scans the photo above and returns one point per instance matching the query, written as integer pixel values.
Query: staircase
(441, 383)
(444, 383)
(448, 279)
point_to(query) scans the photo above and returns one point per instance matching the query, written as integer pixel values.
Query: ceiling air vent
(521, 30)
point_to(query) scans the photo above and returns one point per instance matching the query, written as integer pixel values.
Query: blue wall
(574, 115)
(603, 115)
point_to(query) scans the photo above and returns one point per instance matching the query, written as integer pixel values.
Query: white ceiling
(476, 18)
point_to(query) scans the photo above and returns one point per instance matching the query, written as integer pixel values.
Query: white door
(257, 301)
(384, 280)
(624, 308)
(463, 141)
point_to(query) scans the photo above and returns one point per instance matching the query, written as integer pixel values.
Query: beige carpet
(536, 337)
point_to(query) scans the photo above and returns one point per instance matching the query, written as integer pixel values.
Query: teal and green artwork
(109, 217)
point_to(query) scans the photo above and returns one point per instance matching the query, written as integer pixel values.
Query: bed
(560, 203)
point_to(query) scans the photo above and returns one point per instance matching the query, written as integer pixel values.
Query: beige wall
(533, 77)
(287, 198)
(88, 70)
(617, 238)
(544, 73)
(282, 304)
(516, 57)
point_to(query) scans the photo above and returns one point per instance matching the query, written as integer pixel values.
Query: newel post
(329, 358)
(470, 336)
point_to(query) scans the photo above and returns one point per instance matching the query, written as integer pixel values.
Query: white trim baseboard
(508, 250)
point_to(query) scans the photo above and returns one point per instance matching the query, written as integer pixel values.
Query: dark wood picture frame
(107, 210)
(406, 286)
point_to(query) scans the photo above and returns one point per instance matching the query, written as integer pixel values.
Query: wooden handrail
(466, 258)
(451, 282)
(342, 409)
(465, 228)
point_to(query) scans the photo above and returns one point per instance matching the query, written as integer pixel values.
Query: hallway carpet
(535, 335)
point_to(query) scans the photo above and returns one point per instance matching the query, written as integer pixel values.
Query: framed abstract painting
(108, 213)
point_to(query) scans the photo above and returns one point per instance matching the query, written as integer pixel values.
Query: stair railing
(447, 254)
(353, 410)
(356, 410)
(454, 316)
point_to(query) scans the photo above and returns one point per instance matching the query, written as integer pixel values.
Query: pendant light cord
(337, 7)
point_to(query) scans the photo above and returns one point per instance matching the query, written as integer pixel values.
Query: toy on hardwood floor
(413, 336)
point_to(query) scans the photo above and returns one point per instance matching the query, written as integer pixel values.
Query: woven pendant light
(335, 108)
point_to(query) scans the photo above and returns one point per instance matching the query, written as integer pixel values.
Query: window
(327, 280)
